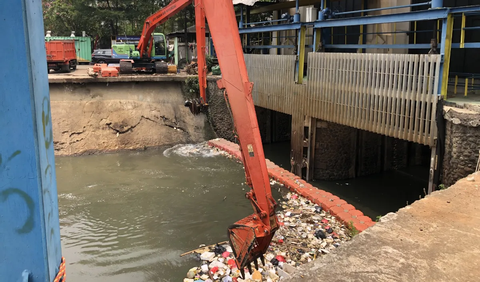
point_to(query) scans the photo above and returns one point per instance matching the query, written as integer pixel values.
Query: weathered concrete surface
(462, 143)
(434, 239)
(80, 76)
(101, 117)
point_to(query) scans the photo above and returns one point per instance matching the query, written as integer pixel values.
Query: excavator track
(126, 67)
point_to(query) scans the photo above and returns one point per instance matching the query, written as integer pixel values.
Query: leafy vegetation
(209, 60)
(104, 18)
(353, 230)
(191, 85)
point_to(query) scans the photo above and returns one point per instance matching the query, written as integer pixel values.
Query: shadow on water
(374, 195)
(128, 216)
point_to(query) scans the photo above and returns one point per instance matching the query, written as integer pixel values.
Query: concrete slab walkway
(434, 239)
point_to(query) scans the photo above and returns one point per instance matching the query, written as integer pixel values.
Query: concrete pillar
(29, 225)
(296, 144)
(274, 51)
(176, 50)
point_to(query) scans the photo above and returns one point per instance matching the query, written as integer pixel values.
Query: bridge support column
(30, 247)
(433, 168)
(309, 146)
(296, 144)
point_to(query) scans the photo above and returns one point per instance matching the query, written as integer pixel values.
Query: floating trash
(306, 232)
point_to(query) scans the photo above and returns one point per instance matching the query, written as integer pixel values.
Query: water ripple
(192, 150)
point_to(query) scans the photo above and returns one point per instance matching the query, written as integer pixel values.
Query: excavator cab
(159, 50)
(130, 51)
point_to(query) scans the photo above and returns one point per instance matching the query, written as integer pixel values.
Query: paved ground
(80, 76)
(434, 239)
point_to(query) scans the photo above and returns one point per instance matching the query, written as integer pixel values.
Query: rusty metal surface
(388, 94)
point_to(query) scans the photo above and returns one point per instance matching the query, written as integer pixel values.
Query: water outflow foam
(192, 150)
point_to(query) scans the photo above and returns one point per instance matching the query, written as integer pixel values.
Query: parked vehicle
(83, 46)
(61, 55)
(104, 56)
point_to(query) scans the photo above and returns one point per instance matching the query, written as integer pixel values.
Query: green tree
(105, 18)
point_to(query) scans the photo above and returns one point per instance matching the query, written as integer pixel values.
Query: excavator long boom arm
(157, 19)
(251, 236)
(160, 17)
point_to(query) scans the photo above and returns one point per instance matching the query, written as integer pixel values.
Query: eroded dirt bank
(104, 117)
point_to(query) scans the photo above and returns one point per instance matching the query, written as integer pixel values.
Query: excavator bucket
(250, 239)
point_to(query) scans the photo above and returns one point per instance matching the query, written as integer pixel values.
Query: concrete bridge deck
(434, 239)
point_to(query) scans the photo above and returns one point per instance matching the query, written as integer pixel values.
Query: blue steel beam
(264, 22)
(425, 15)
(381, 9)
(381, 19)
(29, 225)
(378, 46)
(471, 45)
(269, 46)
(278, 27)
(397, 46)
(467, 9)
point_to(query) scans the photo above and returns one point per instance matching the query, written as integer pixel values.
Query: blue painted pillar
(436, 4)
(248, 19)
(29, 225)
(296, 17)
(240, 23)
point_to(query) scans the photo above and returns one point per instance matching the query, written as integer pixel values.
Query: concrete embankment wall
(102, 117)
(346, 152)
(462, 142)
(273, 126)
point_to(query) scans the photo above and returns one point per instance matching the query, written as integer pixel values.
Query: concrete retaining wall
(335, 151)
(274, 126)
(218, 113)
(102, 117)
(462, 143)
(344, 152)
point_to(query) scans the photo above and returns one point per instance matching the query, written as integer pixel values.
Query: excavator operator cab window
(159, 45)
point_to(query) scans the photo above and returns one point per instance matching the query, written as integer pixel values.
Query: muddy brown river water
(128, 216)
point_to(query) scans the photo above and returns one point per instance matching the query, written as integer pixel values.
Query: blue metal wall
(29, 225)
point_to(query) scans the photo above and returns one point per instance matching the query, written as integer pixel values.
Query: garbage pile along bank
(305, 233)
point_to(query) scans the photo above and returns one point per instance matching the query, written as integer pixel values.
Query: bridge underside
(388, 94)
(394, 95)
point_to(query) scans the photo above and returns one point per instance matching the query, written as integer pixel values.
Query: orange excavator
(249, 237)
